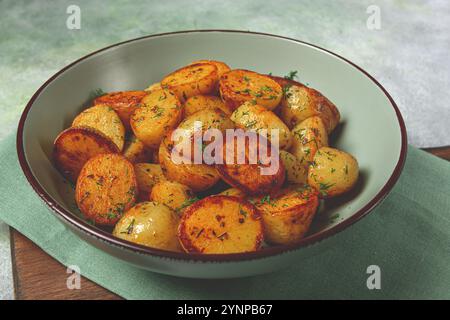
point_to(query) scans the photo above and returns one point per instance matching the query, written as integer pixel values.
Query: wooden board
(39, 276)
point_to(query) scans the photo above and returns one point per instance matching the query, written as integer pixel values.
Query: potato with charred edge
(296, 171)
(123, 102)
(147, 175)
(220, 224)
(254, 176)
(104, 119)
(239, 86)
(172, 194)
(192, 80)
(333, 172)
(150, 224)
(75, 146)
(161, 111)
(222, 67)
(106, 188)
(309, 136)
(198, 177)
(288, 215)
(135, 150)
(197, 103)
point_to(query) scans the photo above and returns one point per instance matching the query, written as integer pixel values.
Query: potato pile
(118, 152)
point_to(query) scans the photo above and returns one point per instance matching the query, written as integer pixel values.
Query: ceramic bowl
(371, 129)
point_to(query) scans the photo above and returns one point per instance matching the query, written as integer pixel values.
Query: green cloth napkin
(408, 237)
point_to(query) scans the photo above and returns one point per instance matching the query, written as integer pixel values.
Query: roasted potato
(252, 176)
(288, 215)
(135, 150)
(221, 66)
(197, 103)
(104, 119)
(123, 102)
(308, 137)
(150, 224)
(154, 87)
(333, 172)
(220, 224)
(172, 194)
(198, 177)
(160, 112)
(106, 188)
(147, 175)
(74, 146)
(253, 117)
(233, 192)
(296, 171)
(239, 86)
(192, 80)
(300, 102)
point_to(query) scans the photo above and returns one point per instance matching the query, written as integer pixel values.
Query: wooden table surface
(39, 276)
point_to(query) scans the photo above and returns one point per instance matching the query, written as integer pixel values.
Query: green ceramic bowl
(372, 129)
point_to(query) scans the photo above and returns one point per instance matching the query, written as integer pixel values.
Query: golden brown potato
(253, 117)
(296, 172)
(300, 102)
(198, 177)
(160, 112)
(124, 103)
(239, 86)
(150, 224)
(333, 172)
(192, 80)
(233, 192)
(220, 224)
(288, 215)
(249, 176)
(74, 146)
(308, 137)
(221, 66)
(106, 188)
(172, 194)
(104, 119)
(147, 175)
(154, 87)
(197, 103)
(135, 150)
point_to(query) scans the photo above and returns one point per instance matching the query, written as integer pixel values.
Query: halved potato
(172, 194)
(233, 192)
(123, 102)
(197, 103)
(296, 171)
(308, 137)
(239, 86)
(104, 119)
(192, 80)
(74, 146)
(252, 117)
(106, 188)
(160, 112)
(288, 215)
(222, 67)
(220, 224)
(333, 172)
(151, 224)
(135, 150)
(147, 175)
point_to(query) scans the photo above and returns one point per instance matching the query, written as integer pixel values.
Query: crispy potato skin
(198, 177)
(239, 86)
(247, 177)
(309, 136)
(135, 150)
(198, 103)
(296, 171)
(288, 216)
(104, 119)
(254, 118)
(221, 224)
(222, 67)
(192, 80)
(150, 224)
(76, 145)
(147, 175)
(123, 102)
(106, 188)
(333, 172)
(172, 194)
(161, 111)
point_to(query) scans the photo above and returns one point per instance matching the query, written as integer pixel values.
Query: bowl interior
(370, 128)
